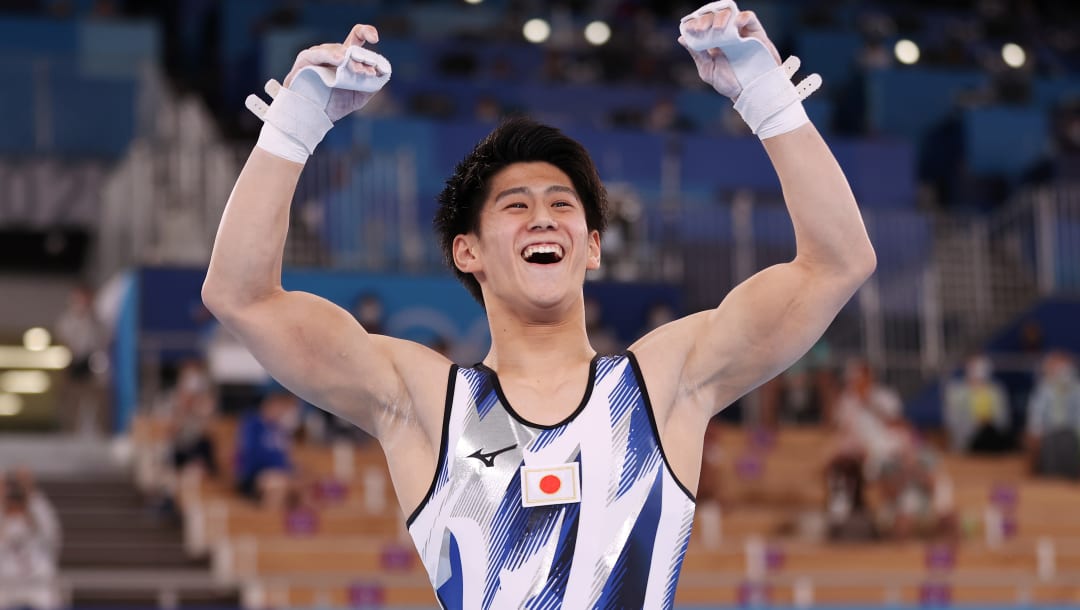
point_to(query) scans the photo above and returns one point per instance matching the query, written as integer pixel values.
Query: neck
(523, 347)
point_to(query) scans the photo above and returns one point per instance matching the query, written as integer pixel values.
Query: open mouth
(543, 254)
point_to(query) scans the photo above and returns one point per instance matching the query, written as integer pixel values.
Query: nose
(542, 219)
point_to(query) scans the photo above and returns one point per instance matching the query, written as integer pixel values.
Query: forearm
(829, 231)
(245, 265)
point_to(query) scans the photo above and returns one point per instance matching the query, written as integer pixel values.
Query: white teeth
(543, 249)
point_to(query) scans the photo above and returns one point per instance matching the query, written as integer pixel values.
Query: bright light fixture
(24, 382)
(10, 405)
(473, 1)
(597, 33)
(536, 30)
(50, 358)
(1013, 54)
(907, 52)
(36, 339)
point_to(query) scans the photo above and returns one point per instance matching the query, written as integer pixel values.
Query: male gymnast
(548, 475)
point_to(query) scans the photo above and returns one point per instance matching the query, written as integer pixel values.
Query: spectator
(194, 406)
(264, 468)
(847, 513)
(80, 330)
(913, 491)
(869, 419)
(977, 410)
(29, 539)
(1053, 419)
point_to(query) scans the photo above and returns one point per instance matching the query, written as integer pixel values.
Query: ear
(594, 250)
(464, 250)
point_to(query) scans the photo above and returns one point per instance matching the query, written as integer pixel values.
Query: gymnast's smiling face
(533, 245)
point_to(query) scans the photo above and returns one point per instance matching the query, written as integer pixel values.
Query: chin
(547, 298)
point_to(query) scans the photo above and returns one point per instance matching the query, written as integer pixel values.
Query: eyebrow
(524, 190)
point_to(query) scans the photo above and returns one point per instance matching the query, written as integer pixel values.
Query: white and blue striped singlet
(621, 546)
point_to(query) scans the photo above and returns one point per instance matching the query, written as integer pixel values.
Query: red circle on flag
(550, 484)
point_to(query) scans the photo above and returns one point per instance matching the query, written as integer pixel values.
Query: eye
(563, 204)
(516, 205)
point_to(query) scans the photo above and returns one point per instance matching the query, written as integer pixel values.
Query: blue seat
(1005, 140)
(334, 20)
(717, 163)
(116, 49)
(279, 49)
(705, 108)
(90, 116)
(881, 172)
(829, 53)
(22, 38)
(908, 102)
(623, 156)
(1050, 92)
(17, 108)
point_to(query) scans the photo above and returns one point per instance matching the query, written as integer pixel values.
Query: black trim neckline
(443, 442)
(569, 418)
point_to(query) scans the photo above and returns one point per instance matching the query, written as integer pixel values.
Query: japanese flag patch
(543, 486)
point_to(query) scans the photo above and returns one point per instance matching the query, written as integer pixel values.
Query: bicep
(318, 351)
(763, 326)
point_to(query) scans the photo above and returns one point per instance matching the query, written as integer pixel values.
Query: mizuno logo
(489, 458)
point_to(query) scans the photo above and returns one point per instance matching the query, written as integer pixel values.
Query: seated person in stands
(977, 410)
(911, 490)
(29, 540)
(1053, 419)
(194, 406)
(264, 468)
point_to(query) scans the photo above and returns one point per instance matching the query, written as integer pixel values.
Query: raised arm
(312, 346)
(774, 317)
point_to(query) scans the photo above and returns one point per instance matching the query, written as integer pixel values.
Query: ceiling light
(24, 382)
(1013, 54)
(907, 52)
(597, 33)
(536, 30)
(36, 339)
(51, 358)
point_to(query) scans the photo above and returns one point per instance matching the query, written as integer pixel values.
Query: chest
(544, 404)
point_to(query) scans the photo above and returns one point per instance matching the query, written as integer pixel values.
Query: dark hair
(517, 140)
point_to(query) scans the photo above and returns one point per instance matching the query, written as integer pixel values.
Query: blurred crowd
(952, 35)
(884, 478)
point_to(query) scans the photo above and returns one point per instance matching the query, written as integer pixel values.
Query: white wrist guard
(771, 105)
(297, 119)
(768, 101)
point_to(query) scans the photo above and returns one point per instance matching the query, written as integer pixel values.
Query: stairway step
(135, 513)
(125, 598)
(113, 536)
(132, 556)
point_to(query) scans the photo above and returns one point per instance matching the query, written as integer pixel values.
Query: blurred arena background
(923, 454)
